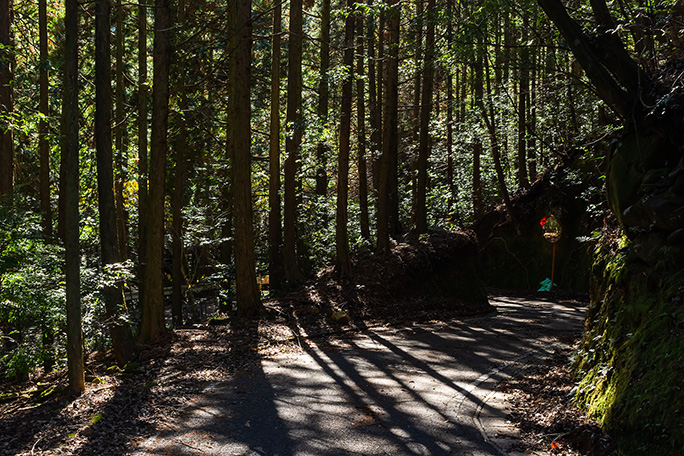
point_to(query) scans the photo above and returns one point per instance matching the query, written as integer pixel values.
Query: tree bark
(392, 119)
(292, 143)
(120, 332)
(619, 87)
(523, 95)
(152, 324)
(343, 259)
(450, 111)
(142, 147)
(75, 362)
(44, 108)
(425, 112)
(323, 98)
(248, 299)
(275, 232)
(419, 64)
(179, 268)
(6, 101)
(120, 129)
(361, 129)
(489, 118)
(374, 108)
(386, 218)
(178, 264)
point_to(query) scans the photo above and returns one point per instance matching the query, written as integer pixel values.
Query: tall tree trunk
(228, 193)
(120, 135)
(425, 111)
(523, 96)
(119, 330)
(419, 66)
(532, 120)
(293, 142)
(323, 98)
(379, 109)
(392, 118)
(489, 117)
(478, 90)
(43, 144)
(152, 323)
(387, 225)
(342, 259)
(275, 232)
(361, 129)
(375, 118)
(75, 363)
(178, 269)
(180, 147)
(142, 147)
(248, 299)
(6, 102)
(450, 110)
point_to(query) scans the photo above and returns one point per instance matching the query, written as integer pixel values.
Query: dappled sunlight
(416, 389)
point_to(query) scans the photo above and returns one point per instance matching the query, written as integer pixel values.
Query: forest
(164, 163)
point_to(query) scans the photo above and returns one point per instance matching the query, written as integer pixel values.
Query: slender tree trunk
(379, 109)
(75, 363)
(120, 332)
(343, 259)
(425, 112)
(293, 142)
(142, 146)
(532, 120)
(478, 90)
(374, 108)
(489, 117)
(523, 95)
(386, 223)
(228, 193)
(248, 299)
(178, 264)
(275, 232)
(392, 118)
(43, 144)
(152, 323)
(323, 98)
(361, 129)
(450, 110)
(419, 66)
(121, 130)
(180, 147)
(6, 102)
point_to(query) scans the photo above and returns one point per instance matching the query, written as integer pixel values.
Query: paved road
(427, 389)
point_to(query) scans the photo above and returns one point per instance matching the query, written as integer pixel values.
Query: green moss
(631, 358)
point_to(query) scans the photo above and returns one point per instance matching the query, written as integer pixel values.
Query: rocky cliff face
(631, 358)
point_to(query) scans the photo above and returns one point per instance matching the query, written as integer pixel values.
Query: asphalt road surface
(424, 389)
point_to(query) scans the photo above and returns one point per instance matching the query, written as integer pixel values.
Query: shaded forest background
(175, 155)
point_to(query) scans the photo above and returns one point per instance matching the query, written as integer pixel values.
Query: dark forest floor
(121, 407)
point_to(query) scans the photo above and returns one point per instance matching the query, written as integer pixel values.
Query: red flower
(543, 221)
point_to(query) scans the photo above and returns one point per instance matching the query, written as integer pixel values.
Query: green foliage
(31, 291)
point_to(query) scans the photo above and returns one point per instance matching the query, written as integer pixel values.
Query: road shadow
(412, 389)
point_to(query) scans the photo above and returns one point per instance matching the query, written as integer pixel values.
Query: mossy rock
(631, 358)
